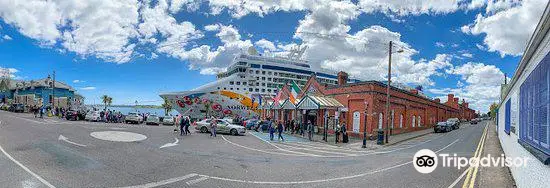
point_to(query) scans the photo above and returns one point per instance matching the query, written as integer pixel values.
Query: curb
(407, 139)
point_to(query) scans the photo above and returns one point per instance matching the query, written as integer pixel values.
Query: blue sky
(132, 50)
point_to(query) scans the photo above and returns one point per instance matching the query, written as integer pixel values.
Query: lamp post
(387, 135)
(365, 127)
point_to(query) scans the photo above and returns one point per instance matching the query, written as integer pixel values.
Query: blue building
(522, 118)
(37, 92)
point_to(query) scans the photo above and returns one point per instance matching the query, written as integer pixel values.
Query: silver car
(168, 120)
(152, 120)
(224, 126)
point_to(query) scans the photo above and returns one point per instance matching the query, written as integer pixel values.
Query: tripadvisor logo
(425, 161)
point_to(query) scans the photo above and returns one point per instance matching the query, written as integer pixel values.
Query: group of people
(111, 116)
(38, 111)
(184, 123)
(292, 127)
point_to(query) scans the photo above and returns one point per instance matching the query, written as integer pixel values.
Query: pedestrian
(344, 133)
(337, 133)
(35, 111)
(42, 112)
(182, 125)
(214, 126)
(187, 124)
(310, 130)
(176, 122)
(271, 129)
(280, 129)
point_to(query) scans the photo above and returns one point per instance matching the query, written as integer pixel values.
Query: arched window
(419, 121)
(380, 120)
(401, 121)
(413, 121)
(392, 117)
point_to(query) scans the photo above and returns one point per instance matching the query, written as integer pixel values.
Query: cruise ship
(248, 81)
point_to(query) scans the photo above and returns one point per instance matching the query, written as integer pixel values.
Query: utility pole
(53, 91)
(365, 127)
(387, 135)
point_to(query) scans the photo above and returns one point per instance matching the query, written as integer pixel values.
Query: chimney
(465, 104)
(437, 100)
(450, 98)
(456, 100)
(342, 78)
(414, 91)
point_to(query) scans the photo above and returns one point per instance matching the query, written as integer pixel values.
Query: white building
(522, 118)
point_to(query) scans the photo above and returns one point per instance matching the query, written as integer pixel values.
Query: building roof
(21, 84)
(310, 102)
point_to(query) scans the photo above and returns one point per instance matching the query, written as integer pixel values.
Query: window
(257, 72)
(257, 78)
(268, 90)
(263, 72)
(263, 78)
(257, 90)
(250, 71)
(218, 88)
(238, 83)
(413, 121)
(269, 73)
(231, 83)
(230, 88)
(257, 84)
(380, 120)
(250, 89)
(533, 108)
(269, 79)
(275, 74)
(244, 83)
(263, 90)
(507, 116)
(224, 88)
(401, 121)
(419, 121)
(263, 84)
(237, 88)
(392, 114)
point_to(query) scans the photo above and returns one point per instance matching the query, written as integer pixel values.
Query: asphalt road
(59, 153)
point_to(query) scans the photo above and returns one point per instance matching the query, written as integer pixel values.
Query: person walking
(310, 130)
(187, 124)
(182, 124)
(280, 129)
(42, 112)
(271, 129)
(214, 126)
(343, 129)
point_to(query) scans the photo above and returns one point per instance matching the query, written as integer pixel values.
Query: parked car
(152, 120)
(92, 116)
(251, 124)
(73, 115)
(474, 121)
(442, 127)
(168, 120)
(16, 108)
(454, 123)
(133, 117)
(263, 126)
(224, 126)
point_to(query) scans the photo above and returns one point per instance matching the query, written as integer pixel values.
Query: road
(57, 153)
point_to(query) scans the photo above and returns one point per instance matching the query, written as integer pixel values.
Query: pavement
(57, 153)
(494, 176)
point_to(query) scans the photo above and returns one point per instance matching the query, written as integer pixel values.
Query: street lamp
(365, 127)
(387, 135)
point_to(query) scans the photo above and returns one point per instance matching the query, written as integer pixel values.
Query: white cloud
(481, 47)
(455, 45)
(501, 24)
(475, 4)
(265, 45)
(78, 81)
(212, 27)
(469, 55)
(88, 88)
(240, 8)
(6, 37)
(410, 7)
(481, 85)
(8, 72)
(439, 44)
(154, 55)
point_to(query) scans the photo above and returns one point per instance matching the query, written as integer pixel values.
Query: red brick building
(409, 111)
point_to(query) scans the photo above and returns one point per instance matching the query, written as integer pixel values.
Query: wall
(535, 173)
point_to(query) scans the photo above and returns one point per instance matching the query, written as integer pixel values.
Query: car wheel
(204, 130)
(234, 132)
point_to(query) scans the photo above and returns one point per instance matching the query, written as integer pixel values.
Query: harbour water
(125, 110)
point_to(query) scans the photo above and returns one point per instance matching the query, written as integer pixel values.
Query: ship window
(257, 78)
(269, 73)
(274, 79)
(263, 78)
(257, 72)
(237, 88)
(263, 90)
(268, 79)
(224, 88)
(244, 83)
(275, 91)
(257, 90)
(231, 83)
(230, 88)
(218, 88)
(268, 90)
(250, 71)
(257, 83)
(263, 84)
(250, 89)
(238, 83)
(275, 74)
(263, 72)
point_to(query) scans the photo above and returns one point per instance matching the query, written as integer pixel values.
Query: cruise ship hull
(199, 104)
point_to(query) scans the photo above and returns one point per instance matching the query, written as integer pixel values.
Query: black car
(16, 108)
(72, 115)
(443, 127)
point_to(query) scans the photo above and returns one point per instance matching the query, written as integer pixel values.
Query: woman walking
(280, 129)
(214, 126)
(187, 124)
(271, 129)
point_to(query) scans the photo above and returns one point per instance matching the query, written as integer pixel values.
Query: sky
(132, 50)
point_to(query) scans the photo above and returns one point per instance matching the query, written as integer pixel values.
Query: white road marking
(316, 150)
(170, 144)
(307, 154)
(38, 122)
(48, 184)
(459, 178)
(63, 138)
(164, 182)
(118, 136)
(191, 182)
(259, 150)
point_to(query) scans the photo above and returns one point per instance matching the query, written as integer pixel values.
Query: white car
(168, 120)
(92, 116)
(224, 126)
(133, 117)
(152, 120)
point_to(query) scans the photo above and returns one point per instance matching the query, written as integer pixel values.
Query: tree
(106, 100)
(167, 106)
(493, 110)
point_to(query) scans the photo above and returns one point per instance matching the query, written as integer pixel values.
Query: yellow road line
(479, 145)
(473, 179)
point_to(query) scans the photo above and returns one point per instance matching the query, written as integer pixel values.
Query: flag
(294, 91)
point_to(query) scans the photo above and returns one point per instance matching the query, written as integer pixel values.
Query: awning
(266, 105)
(275, 106)
(318, 102)
(288, 105)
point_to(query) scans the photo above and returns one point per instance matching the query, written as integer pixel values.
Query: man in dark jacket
(182, 125)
